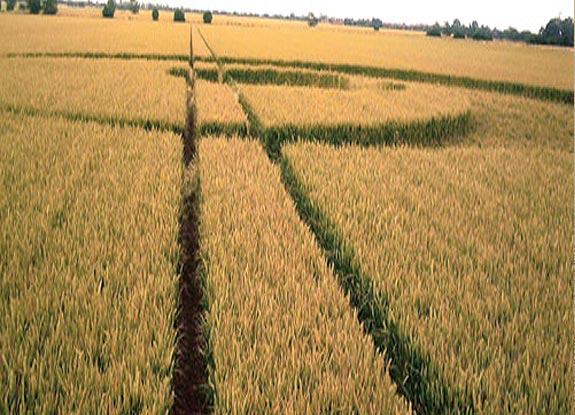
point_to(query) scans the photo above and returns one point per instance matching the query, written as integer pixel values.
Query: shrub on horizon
(50, 6)
(179, 16)
(109, 9)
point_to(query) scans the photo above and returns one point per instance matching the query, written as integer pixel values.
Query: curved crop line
(503, 87)
(434, 132)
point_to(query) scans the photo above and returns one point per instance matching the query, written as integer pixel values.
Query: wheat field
(263, 217)
(217, 103)
(473, 248)
(89, 265)
(365, 103)
(280, 345)
(394, 49)
(134, 90)
(34, 34)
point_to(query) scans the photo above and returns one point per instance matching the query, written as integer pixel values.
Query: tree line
(558, 32)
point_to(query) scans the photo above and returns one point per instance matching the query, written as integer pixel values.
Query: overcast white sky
(521, 14)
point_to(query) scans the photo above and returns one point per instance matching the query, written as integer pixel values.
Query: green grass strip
(503, 87)
(207, 74)
(121, 122)
(270, 76)
(180, 72)
(101, 55)
(417, 378)
(255, 126)
(221, 129)
(435, 132)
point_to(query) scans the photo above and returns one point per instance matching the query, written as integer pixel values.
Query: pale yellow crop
(503, 61)
(368, 102)
(474, 248)
(217, 103)
(89, 261)
(283, 337)
(112, 88)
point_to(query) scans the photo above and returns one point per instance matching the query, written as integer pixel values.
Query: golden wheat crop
(509, 121)
(199, 47)
(366, 103)
(205, 65)
(282, 335)
(217, 103)
(474, 248)
(132, 90)
(23, 33)
(502, 61)
(89, 262)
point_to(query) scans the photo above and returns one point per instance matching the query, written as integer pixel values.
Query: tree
(34, 6)
(456, 25)
(134, 6)
(482, 33)
(434, 31)
(109, 9)
(553, 29)
(376, 24)
(312, 21)
(155, 14)
(10, 5)
(50, 6)
(179, 16)
(557, 32)
(568, 32)
(208, 17)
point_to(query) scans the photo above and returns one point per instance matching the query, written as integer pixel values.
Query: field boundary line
(503, 87)
(147, 125)
(417, 377)
(99, 55)
(223, 129)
